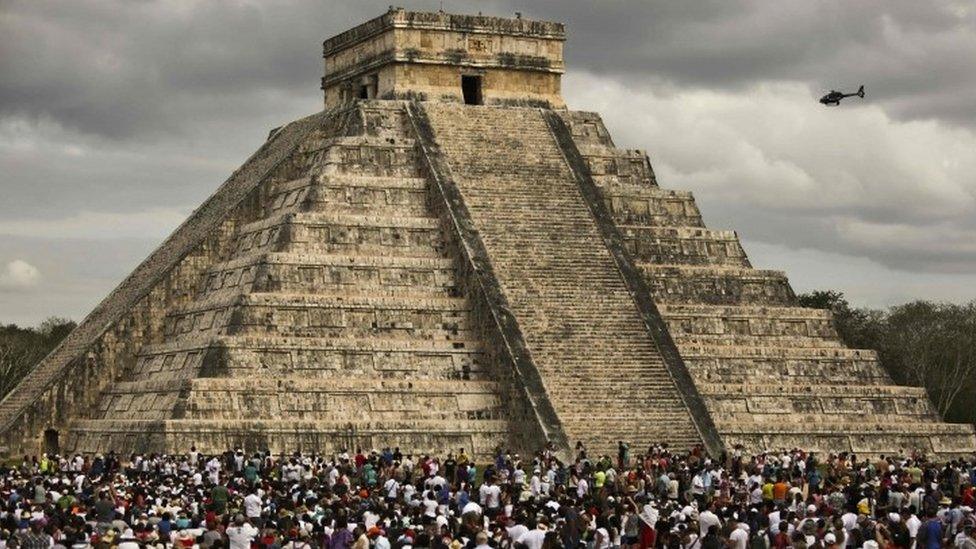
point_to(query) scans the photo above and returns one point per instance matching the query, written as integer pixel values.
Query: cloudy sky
(117, 118)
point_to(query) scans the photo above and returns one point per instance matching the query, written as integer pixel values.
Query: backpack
(922, 537)
(758, 540)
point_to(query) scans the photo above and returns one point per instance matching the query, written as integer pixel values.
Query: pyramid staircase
(774, 375)
(602, 370)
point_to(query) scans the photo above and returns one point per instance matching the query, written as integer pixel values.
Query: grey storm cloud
(122, 69)
(118, 117)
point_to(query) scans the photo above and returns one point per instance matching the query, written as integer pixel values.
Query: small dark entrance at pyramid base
(52, 444)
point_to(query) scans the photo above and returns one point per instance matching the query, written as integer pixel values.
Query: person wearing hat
(128, 540)
(379, 539)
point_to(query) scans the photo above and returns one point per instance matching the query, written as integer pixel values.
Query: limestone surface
(448, 258)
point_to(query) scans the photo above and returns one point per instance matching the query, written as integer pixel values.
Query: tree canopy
(930, 345)
(22, 348)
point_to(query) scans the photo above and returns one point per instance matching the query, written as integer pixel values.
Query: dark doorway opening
(471, 89)
(52, 445)
(369, 87)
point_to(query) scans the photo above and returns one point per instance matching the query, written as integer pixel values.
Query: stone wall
(420, 55)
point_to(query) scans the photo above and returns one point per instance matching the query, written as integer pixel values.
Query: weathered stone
(405, 270)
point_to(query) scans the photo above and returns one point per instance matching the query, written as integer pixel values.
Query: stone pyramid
(446, 257)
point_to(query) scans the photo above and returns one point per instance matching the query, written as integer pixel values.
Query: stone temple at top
(447, 257)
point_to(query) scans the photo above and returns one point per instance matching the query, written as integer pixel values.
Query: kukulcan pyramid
(446, 257)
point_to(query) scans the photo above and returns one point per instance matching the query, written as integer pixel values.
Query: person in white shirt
(213, 470)
(913, 523)
(381, 542)
(391, 488)
(490, 496)
(739, 536)
(535, 485)
(128, 540)
(241, 534)
(253, 505)
(707, 519)
(515, 530)
(533, 539)
(471, 507)
(582, 488)
(430, 505)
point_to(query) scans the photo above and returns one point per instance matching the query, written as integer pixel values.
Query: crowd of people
(387, 500)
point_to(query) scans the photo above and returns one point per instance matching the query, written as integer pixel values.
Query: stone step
(568, 391)
(249, 356)
(734, 340)
(575, 311)
(819, 390)
(324, 315)
(717, 285)
(626, 166)
(817, 423)
(477, 437)
(341, 220)
(787, 399)
(783, 371)
(683, 246)
(325, 273)
(351, 194)
(301, 398)
(343, 233)
(777, 352)
(633, 205)
(351, 181)
(758, 321)
(587, 129)
(365, 155)
(732, 364)
(876, 439)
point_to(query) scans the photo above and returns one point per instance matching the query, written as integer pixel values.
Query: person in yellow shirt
(599, 479)
(767, 491)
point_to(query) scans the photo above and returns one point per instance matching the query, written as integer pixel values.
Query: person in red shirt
(782, 540)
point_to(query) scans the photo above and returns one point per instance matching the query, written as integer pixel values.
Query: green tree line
(22, 348)
(925, 344)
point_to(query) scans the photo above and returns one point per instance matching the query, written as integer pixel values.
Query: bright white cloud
(19, 274)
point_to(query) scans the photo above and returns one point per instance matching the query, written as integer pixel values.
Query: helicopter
(834, 97)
